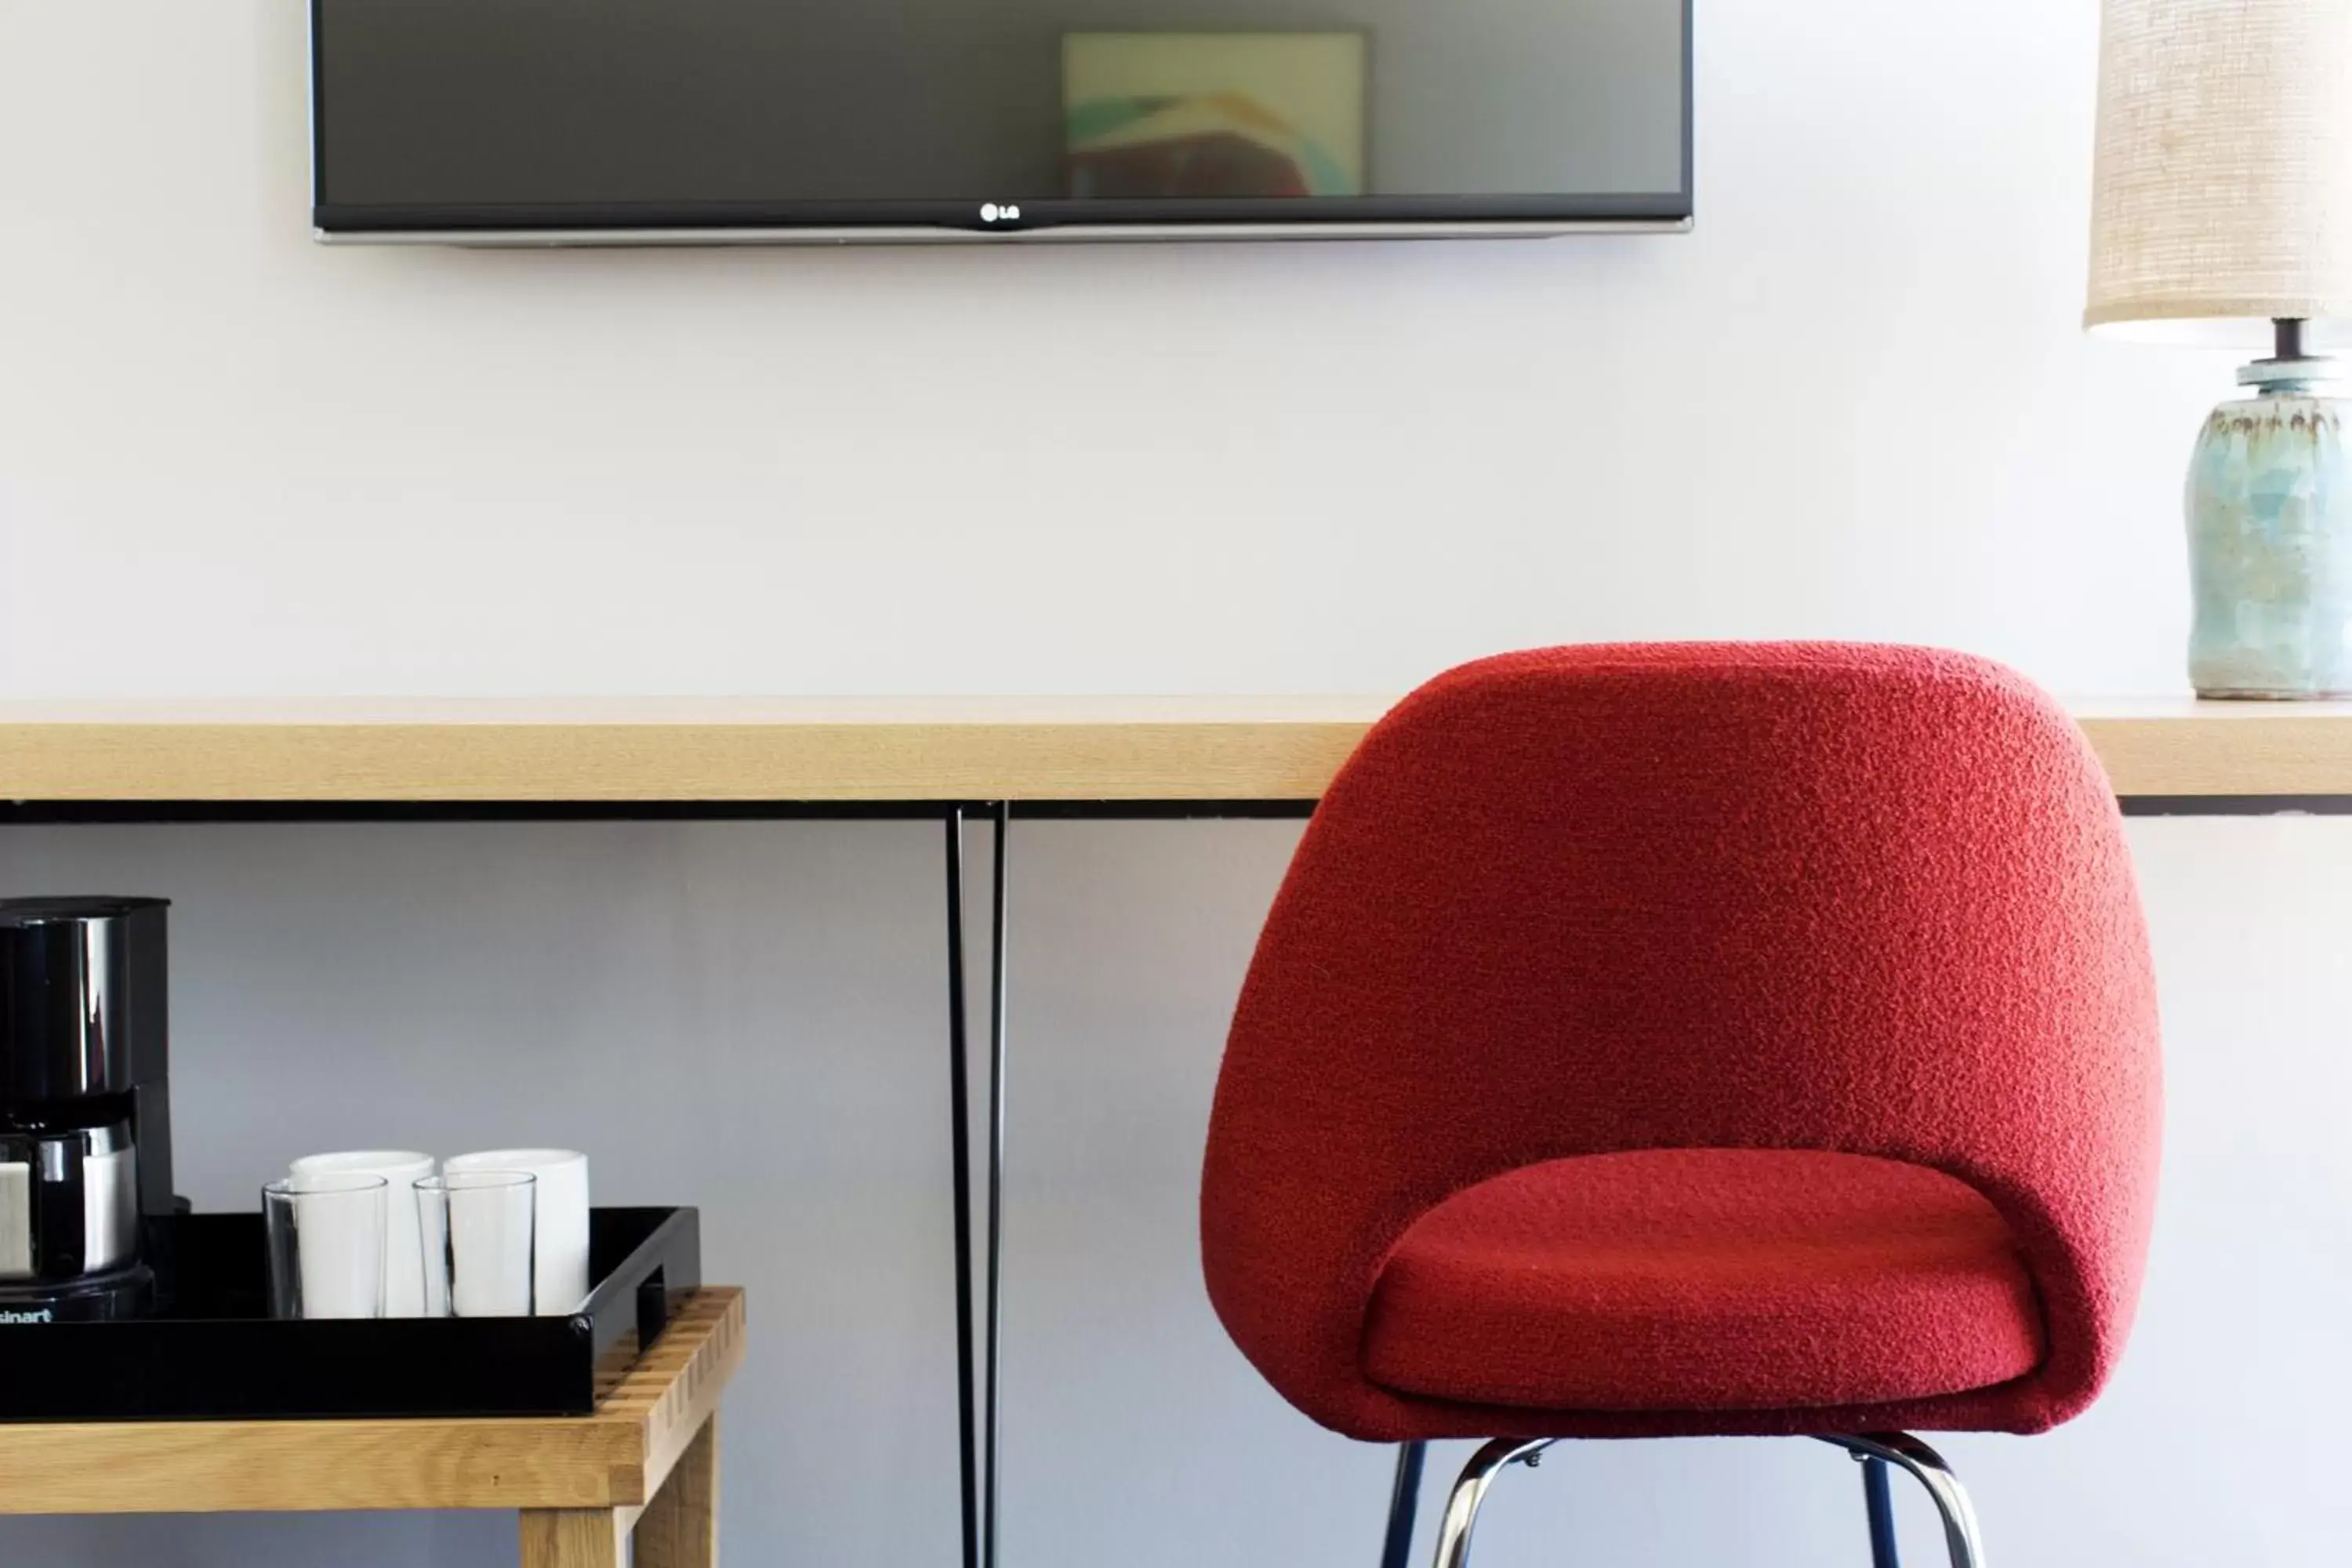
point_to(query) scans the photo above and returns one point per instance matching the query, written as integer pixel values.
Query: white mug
(404, 1245)
(561, 1281)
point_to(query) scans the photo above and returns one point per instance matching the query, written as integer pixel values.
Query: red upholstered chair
(1660, 1040)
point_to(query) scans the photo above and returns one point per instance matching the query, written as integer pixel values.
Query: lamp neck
(2289, 372)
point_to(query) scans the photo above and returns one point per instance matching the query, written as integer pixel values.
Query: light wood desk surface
(809, 749)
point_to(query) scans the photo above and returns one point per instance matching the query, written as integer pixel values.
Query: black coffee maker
(85, 1108)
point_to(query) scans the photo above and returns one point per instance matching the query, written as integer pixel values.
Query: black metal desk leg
(992, 1432)
(960, 1159)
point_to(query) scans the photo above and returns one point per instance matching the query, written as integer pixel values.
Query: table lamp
(2221, 213)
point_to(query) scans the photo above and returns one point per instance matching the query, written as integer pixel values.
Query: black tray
(213, 1353)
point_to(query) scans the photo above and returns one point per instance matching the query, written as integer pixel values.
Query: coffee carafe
(85, 1111)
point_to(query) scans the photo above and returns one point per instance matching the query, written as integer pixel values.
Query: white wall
(1855, 402)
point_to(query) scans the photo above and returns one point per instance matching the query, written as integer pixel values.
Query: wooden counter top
(1021, 749)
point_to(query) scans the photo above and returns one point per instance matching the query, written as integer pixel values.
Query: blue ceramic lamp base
(2270, 537)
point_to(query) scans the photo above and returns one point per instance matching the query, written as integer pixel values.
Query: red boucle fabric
(1613, 1281)
(1588, 900)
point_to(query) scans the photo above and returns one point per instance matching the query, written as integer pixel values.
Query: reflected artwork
(1158, 115)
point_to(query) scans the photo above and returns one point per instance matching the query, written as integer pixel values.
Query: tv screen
(714, 118)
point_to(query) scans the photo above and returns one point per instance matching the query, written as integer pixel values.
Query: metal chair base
(1877, 1451)
(1962, 1539)
(1878, 1501)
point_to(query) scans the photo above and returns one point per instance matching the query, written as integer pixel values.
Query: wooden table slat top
(911, 749)
(615, 1459)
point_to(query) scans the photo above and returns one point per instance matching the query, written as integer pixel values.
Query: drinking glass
(403, 1260)
(326, 1244)
(560, 1277)
(480, 1231)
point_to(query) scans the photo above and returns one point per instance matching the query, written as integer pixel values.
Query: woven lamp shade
(2222, 190)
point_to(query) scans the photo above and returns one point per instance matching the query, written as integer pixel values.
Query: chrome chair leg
(1405, 1503)
(1961, 1538)
(1877, 1450)
(1470, 1491)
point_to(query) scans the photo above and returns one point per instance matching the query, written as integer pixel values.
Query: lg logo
(992, 212)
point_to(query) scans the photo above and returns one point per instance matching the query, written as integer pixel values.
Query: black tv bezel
(962, 217)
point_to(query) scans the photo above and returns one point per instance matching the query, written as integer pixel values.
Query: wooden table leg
(574, 1537)
(680, 1528)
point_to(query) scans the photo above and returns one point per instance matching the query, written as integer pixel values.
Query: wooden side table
(645, 1463)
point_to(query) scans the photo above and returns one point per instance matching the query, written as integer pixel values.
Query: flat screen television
(549, 122)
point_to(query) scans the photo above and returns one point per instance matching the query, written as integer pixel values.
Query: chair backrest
(1818, 896)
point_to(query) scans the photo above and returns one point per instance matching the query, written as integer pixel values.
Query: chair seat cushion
(1705, 1280)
